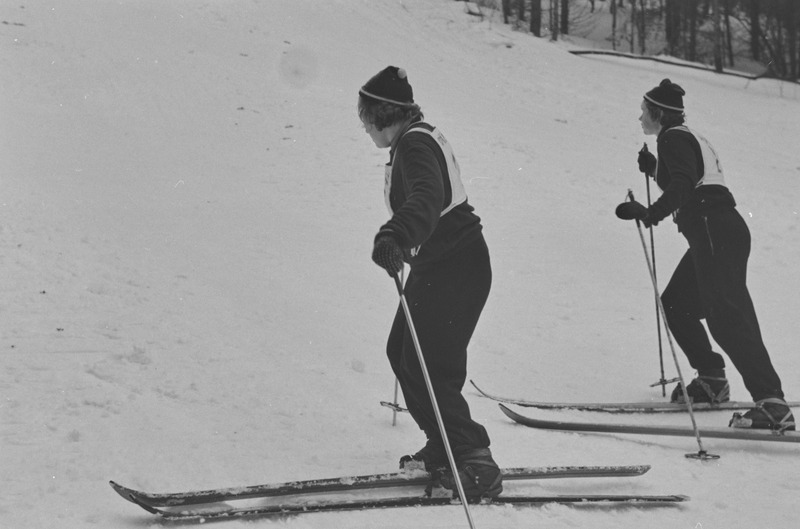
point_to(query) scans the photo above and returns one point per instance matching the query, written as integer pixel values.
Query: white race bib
(712, 174)
(458, 194)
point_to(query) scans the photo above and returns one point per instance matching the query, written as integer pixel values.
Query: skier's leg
(449, 301)
(446, 302)
(401, 353)
(684, 311)
(732, 318)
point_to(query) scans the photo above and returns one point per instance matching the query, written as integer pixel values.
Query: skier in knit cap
(710, 281)
(434, 229)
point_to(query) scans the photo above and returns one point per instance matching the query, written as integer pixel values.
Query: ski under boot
(430, 458)
(712, 390)
(479, 474)
(769, 414)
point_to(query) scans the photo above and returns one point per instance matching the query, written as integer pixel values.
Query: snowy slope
(187, 204)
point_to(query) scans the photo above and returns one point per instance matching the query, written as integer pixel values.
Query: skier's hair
(381, 114)
(666, 118)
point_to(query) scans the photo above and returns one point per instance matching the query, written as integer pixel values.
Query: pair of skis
(781, 436)
(359, 493)
(413, 490)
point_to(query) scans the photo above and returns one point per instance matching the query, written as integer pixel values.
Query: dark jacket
(681, 167)
(420, 188)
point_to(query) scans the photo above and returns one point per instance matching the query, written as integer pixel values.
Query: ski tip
(116, 486)
(125, 492)
(505, 409)
(131, 496)
(481, 392)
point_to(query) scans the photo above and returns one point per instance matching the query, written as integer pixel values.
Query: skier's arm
(679, 159)
(414, 221)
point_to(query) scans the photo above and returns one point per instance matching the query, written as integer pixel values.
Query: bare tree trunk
(565, 17)
(642, 28)
(672, 26)
(614, 9)
(554, 19)
(779, 55)
(536, 17)
(717, 37)
(691, 53)
(755, 29)
(790, 16)
(728, 36)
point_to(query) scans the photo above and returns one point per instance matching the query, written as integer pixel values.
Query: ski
(418, 479)
(223, 510)
(720, 433)
(623, 407)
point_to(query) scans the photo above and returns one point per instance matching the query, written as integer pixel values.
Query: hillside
(187, 206)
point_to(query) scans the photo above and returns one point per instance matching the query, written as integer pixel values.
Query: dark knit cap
(667, 95)
(389, 85)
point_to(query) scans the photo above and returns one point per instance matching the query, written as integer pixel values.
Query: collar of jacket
(399, 135)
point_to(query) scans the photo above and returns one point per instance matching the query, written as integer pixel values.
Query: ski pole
(662, 381)
(394, 410)
(395, 404)
(701, 454)
(436, 411)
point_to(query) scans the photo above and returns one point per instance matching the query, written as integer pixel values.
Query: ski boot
(709, 387)
(769, 414)
(430, 458)
(479, 474)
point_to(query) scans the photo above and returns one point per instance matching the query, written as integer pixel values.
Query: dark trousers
(445, 299)
(710, 283)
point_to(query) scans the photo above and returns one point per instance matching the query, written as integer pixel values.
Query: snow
(187, 207)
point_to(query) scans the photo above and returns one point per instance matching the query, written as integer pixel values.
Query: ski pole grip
(631, 199)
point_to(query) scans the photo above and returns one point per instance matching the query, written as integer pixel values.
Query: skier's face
(649, 125)
(380, 137)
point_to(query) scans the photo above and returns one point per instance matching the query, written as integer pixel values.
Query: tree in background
(554, 23)
(717, 37)
(536, 17)
(718, 32)
(564, 22)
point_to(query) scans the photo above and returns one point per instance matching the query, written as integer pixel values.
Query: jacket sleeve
(421, 176)
(677, 157)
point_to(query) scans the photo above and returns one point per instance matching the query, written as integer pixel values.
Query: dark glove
(634, 210)
(387, 254)
(647, 162)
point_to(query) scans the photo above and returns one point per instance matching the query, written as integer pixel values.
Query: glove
(634, 210)
(647, 162)
(387, 254)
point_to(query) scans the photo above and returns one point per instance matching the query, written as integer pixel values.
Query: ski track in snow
(188, 203)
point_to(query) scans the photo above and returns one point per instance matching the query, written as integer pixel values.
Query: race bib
(455, 193)
(712, 174)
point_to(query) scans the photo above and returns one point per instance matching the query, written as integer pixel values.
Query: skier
(710, 281)
(434, 229)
